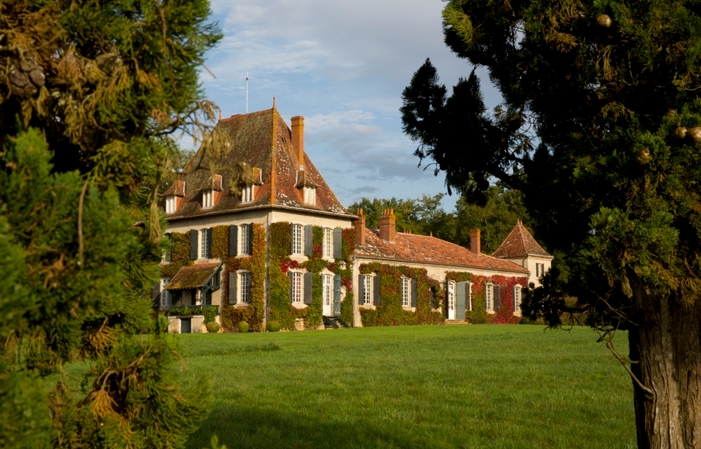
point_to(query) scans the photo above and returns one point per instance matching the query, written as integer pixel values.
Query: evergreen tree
(600, 129)
(90, 93)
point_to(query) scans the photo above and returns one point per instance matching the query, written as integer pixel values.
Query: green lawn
(490, 386)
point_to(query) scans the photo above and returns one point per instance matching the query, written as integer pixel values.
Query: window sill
(299, 305)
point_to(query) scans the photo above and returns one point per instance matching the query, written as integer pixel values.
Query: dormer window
(171, 203)
(310, 196)
(248, 193)
(207, 199)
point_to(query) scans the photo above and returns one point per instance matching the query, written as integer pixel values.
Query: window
(296, 287)
(245, 287)
(326, 291)
(328, 243)
(539, 269)
(451, 298)
(245, 240)
(171, 204)
(310, 196)
(207, 199)
(204, 244)
(296, 239)
(248, 193)
(165, 294)
(517, 298)
(406, 297)
(468, 299)
(367, 289)
(489, 298)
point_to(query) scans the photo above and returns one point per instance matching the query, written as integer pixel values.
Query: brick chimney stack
(298, 138)
(360, 227)
(388, 225)
(475, 241)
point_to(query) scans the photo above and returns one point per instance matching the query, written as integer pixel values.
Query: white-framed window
(204, 244)
(207, 199)
(245, 233)
(327, 288)
(248, 193)
(296, 287)
(310, 196)
(517, 298)
(367, 290)
(451, 295)
(165, 294)
(244, 287)
(468, 300)
(406, 292)
(327, 247)
(489, 297)
(539, 269)
(297, 238)
(171, 202)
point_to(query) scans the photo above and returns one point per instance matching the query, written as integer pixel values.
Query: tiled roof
(192, 276)
(519, 243)
(261, 141)
(427, 249)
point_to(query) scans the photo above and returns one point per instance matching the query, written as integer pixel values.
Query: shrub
(212, 327)
(273, 326)
(243, 327)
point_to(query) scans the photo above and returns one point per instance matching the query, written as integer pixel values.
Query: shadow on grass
(242, 427)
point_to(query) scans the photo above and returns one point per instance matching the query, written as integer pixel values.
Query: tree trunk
(667, 344)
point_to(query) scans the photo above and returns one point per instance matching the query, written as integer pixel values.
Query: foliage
(274, 326)
(599, 130)
(75, 293)
(212, 327)
(209, 312)
(243, 327)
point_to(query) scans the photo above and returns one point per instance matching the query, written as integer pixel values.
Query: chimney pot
(475, 241)
(298, 138)
(388, 226)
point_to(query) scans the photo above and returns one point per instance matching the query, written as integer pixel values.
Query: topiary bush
(243, 326)
(274, 326)
(212, 327)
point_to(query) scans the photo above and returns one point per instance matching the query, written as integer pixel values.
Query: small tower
(521, 248)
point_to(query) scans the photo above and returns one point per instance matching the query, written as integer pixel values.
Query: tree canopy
(600, 129)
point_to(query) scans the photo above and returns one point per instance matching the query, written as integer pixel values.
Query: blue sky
(343, 66)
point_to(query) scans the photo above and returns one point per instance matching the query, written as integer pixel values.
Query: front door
(326, 295)
(451, 300)
(185, 326)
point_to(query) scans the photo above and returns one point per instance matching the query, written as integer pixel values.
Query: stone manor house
(257, 234)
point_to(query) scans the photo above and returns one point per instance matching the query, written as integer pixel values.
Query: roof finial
(273, 102)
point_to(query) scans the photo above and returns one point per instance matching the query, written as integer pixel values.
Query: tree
(90, 94)
(600, 129)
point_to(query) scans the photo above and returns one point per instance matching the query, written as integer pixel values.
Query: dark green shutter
(338, 243)
(308, 236)
(460, 300)
(337, 294)
(361, 289)
(290, 276)
(249, 249)
(308, 288)
(233, 290)
(376, 286)
(497, 298)
(413, 293)
(233, 240)
(292, 240)
(209, 242)
(193, 244)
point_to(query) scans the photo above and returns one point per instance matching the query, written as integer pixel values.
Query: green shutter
(308, 288)
(233, 291)
(249, 250)
(460, 300)
(338, 243)
(233, 240)
(376, 282)
(292, 286)
(361, 289)
(497, 298)
(292, 240)
(209, 242)
(308, 240)
(413, 293)
(337, 294)
(193, 244)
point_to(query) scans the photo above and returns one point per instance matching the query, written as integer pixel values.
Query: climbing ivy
(479, 314)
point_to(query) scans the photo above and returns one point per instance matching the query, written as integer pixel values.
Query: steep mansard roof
(263, 141)
(428, 249)
(519, 243)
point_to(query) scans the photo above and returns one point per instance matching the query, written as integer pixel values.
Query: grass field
(412, 387)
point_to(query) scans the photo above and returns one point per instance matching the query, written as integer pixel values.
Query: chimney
(475, 241)
(360, 228)
(298, 138)
(388, 225)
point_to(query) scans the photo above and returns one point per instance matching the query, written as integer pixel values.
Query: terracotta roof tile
(519, 243)
(192, 276)
(427, 249)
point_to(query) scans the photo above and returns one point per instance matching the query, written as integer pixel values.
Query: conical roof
(519, 243)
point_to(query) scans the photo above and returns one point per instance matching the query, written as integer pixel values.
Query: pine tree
(600, 128)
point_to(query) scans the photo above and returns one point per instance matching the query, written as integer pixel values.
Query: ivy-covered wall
(390, 311)
(479, 314)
